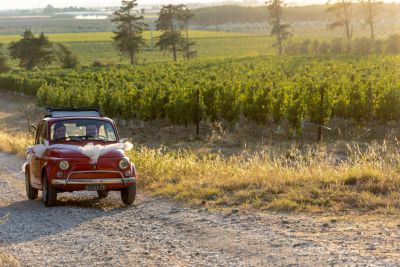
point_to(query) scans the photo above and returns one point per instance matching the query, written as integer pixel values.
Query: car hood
(84, 152)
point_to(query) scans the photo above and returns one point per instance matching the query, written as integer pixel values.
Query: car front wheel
(49, 193)
(128, 194)
(31, 193)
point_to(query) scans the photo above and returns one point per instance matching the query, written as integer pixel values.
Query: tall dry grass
(357, 178)
(366, 178)
(14, 143)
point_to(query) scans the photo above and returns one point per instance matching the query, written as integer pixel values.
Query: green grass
(107, 36)
(207, 48)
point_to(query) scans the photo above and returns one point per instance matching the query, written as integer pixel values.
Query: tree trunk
(187, 42)
(132, 54)
(371, 20)
(131, 49)
(173, 41)
(174, 51)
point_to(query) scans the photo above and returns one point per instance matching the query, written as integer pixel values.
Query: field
(107, 36)
(98, 46)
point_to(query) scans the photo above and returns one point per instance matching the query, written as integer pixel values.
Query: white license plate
(94, 187)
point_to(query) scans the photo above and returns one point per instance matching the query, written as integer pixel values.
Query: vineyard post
(197, 111)
(370, 99)
(321, 114)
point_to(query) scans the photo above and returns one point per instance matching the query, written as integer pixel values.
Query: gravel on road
(83, 230)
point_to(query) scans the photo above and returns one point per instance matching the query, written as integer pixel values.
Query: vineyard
(259, 90)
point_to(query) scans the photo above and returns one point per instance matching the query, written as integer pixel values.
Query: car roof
(52, 120)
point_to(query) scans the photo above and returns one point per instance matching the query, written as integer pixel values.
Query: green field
(207, 48)
(210, 45)
(106, 36)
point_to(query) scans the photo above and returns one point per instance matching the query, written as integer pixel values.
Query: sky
(28, 4)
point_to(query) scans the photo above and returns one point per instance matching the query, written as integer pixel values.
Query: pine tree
(128, 37)
(185, 16)
(279, 29)
(32, 51)
(170, 23)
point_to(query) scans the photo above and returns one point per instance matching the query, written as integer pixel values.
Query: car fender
(46, 170)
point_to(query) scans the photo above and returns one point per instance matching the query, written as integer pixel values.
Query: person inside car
(59, 132)
(92, 130)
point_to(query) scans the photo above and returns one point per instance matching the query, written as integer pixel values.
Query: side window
(41, 133)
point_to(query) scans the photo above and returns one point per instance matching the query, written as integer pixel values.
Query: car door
(36, 160)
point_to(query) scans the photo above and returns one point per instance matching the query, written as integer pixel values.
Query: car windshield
(82, 129)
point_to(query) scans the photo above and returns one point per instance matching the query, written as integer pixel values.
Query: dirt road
(85, 231)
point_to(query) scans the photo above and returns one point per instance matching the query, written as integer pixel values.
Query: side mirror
(123, 140)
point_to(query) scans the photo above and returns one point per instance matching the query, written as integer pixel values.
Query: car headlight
(123, 164)
(64, 165)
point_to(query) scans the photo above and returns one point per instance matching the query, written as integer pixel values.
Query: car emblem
(94, 166)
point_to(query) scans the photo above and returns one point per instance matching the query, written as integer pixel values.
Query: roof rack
(72, 112)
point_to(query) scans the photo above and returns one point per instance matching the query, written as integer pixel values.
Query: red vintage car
(75, 150)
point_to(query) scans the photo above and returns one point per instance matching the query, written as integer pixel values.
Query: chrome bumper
(95, 181)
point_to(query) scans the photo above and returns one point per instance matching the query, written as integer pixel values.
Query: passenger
(59, 131)
(92, 130)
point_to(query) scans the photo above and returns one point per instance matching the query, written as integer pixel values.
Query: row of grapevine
(260, 89)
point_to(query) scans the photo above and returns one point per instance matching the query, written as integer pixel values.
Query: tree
(32, 51)
(170, 23)
(3, 61)
(66, 57)
(344, 14)
(372, 11)
(185, 16)
(279, 29)
(128, 37)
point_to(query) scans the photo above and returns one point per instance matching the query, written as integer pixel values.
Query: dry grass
(282, 180)
(364, 178)
(14, 143)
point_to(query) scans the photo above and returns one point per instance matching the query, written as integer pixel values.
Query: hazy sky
(14, 4)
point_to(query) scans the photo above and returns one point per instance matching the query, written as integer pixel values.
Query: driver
(92, 129)
(59, 131)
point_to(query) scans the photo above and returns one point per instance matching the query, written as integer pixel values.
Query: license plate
(94, 187)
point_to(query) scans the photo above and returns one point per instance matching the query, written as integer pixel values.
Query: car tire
(31, 193)
(128, 194)
(102, 193)
(49, 194)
